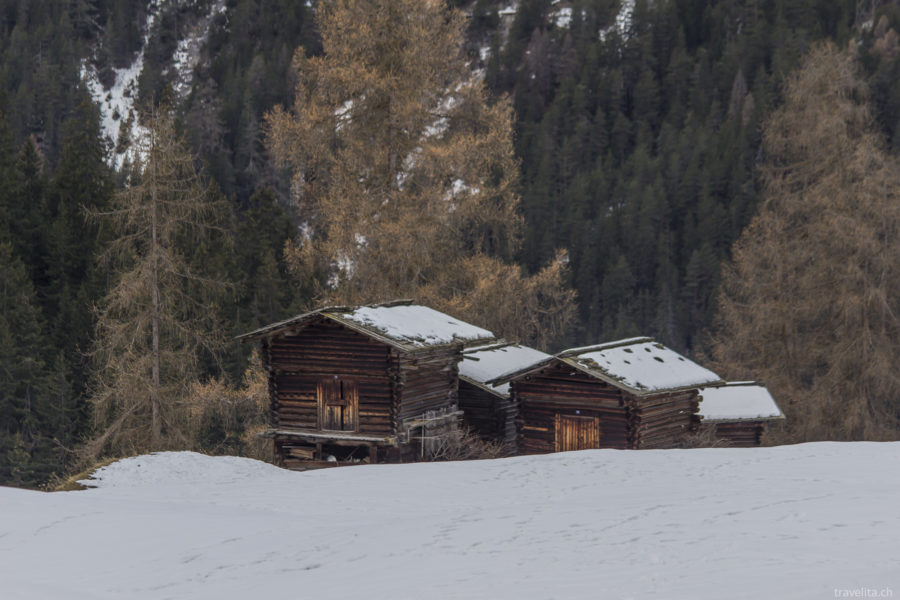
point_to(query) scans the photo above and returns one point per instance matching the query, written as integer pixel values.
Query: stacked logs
(662, 421)
(740, 434)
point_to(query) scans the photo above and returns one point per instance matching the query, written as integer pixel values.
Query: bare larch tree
(158, 317)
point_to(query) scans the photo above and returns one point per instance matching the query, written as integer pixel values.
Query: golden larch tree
(811, 302)
(404, 172)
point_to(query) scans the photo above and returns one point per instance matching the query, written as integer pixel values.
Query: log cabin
(489, 410)
(628, 394)
(365, 384)
(738, 413)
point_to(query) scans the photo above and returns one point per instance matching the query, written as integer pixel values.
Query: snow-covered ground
(808, 521)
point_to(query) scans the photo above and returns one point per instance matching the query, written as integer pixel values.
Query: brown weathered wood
(625, 421)
(327, 380)
(490, 415)
(576, 433)
(739, 434)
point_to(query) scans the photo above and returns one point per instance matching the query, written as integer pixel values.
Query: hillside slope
(786, 522)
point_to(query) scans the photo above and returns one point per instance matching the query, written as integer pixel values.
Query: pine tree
(266, 290)
(404, 170)
(6, 166)
(22, 371)
(811, 301)
(158, 317)
(31, 209)
(71, 283)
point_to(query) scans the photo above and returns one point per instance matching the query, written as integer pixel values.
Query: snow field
(787, 522)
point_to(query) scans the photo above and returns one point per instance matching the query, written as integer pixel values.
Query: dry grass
(70, 483)
(704, 437)
(464, 444)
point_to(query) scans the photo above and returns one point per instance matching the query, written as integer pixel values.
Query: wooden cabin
(738, 412)
(363, 384)
(489, 410)
(632, 393)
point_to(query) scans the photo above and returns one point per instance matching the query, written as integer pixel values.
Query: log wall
(626, 421)
(410, 397)
(427, 390)
(740, 434)
(563, 390)
(663, 420)
(320, 351)
(428, 381)
(490, 416)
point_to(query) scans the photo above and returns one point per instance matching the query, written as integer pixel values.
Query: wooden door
(338, 404)
(577, 433)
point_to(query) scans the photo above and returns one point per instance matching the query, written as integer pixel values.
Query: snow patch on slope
(117, 102)
(561, 15)
(509, 11)
(187, 54)
(622, 24)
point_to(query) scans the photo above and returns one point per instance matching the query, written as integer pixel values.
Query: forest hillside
(630, 155)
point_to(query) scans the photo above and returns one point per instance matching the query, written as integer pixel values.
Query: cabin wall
(490, 416)
(662, 421)
(739, 434)
(410, 397)
(428, 381)
(427, 398)
(322, 350)
(562, 391)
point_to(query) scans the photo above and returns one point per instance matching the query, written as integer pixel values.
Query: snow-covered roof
(484, 363)
(639, 365)
(416, 325)
(400, 324)
(737, 401)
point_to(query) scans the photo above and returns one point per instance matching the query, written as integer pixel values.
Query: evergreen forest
(637, 128)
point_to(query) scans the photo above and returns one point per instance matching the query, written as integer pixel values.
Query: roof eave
(675, 390)
(741, 419)
(332, 313)
(405, 347)
(350, 324)
(508, 377)
(274, 328)
(488, 346)
(607, 346)
(484, 386)
(278, 328)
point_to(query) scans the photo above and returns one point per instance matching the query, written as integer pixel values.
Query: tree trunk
(155, 427)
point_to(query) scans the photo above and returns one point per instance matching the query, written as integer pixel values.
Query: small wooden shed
(738, 412)
(489, 410)
(363, 384)
(632, 393)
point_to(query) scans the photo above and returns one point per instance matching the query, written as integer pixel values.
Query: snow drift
(801, 521)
